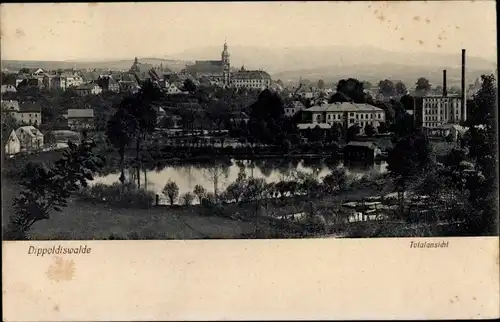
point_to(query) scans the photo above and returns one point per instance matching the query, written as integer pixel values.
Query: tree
(335, 180)
(386, 87)
(189, 85)
(120, 131)
(382, 128)
(410, 157)
(352, 132)
(49, 138)
(353, 89)
(481, 140)
(236, 190)
(321, 84)
(171, 190)
(423, 85)
(200, 192)
(254, 189)
(369, 130)
(339, 97)
(44, 189)
(135, 118)
(400, 88)
(187, 198)
(214, 172)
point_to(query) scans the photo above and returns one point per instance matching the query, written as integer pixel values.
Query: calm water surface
(188, 176)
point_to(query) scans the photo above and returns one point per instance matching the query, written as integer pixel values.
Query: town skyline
(423, 27)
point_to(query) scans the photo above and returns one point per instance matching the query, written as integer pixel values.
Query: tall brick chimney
(463, 112)
(445, 89)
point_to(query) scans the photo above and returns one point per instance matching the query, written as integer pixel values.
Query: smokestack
(445, 89)
(462, 103)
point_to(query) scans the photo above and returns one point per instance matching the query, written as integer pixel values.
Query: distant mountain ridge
(280, 59)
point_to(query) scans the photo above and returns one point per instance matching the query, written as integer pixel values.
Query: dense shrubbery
(120, 195)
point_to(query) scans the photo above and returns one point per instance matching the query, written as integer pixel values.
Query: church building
(216, 70)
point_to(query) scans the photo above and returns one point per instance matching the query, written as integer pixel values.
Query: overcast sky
(123, 30)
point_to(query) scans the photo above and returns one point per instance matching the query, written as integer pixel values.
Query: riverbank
(89, 220)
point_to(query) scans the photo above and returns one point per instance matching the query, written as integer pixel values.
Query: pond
(187, 176)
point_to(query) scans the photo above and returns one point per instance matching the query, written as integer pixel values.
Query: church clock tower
(226, 73)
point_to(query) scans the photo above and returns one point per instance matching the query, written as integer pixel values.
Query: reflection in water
(217, 175)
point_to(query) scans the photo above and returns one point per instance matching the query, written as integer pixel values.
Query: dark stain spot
(451, 301)
(416, 18)
(20, 33)
(457, 27)
(396, 28)
(427, 21)
(375, 11)
(420, 42)
(369, 6)
(438, 46)
(381, 17)
(474, 298)
(402, 38)
(56, 308)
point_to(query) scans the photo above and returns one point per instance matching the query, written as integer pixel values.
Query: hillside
(175, 65)
(375, 73)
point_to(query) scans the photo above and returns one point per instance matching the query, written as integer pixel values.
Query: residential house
(128, 86)
(58, 82)
(80, 119)
(345, 113)
(48, 82)
(172, 89)
(88, 89)
(293, 108)
(30, 113)
(356, 151)
(65, 80)
(108, 84)
(12, 145)
(454, 130)
(144, 72)
(12, 106)
(89, 76)
(8, 89)
(30, 138)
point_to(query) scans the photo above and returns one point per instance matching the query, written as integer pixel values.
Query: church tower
(226, 73)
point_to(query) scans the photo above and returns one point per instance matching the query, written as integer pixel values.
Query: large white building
(439, 110)
(345, 113)
(256, 79)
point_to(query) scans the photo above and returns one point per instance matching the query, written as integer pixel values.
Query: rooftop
(72, 112)
(30, 107)
(362, 144)
(251, 74)
(344, 107)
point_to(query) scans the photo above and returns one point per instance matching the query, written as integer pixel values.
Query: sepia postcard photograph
(358, 124)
